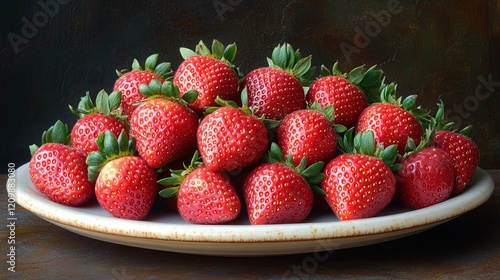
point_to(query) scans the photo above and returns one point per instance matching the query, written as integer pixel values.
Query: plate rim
(477, 193)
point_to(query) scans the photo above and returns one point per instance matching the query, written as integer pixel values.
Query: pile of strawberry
(276, 143)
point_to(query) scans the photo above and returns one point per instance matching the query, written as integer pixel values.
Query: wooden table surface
(467, 247)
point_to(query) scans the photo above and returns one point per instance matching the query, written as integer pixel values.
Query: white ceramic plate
(168, 232)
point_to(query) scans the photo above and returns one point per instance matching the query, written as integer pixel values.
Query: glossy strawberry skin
(426, 178)
(277, 194)
(126, 188)
(273, 93)
(390, 124)
(309, 134)
(207, 197)
(358, 186)
(228, 139)
(210, 77)
(128, 85)
(86, 129)
(464, 153)
(348, 100)
(60, 172)
(165, 131)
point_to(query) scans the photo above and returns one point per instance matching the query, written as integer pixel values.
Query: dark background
(447, 49)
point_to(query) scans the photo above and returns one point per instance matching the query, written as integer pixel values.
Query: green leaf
(318, 190)
(93, 172)
(186, 53)
(190, 96)
(169, 192)
(33, 148)
(151, 61)
(367, 143)
(102, 103)
(163, 69)
(275, 153)
(217, 49)
(202, 49)
(316, 179)
(110, 144)
(356, 75)
(95, 159)
(115, 98)
(230, 52)
(313, 169)
(58, 133)
(136, 65)
(409, 102)
(302, 66)
(122, 141)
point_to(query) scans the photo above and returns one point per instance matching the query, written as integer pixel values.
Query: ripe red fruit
(94, 119)
(230, 139)
(128, 82)
(308, 133)
(125, 186)
(277, 191)
(464, 154)
(203, 196)
(358, 184)
(277, 90)
(59, 171)
(163, 126)
(391, 121)
(211, 73)
(426, 178)
(349, 94)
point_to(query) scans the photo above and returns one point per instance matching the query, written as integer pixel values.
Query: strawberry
(128, 81)
(348, 93)
(425, 179)
(459, 145)
(211, 73)
(392, 121)
(277, 90)
(94, 119)
(203, 196)
(125, 186)
(308, 133)
(464, 154)
(360, 183)
(277, 192)
(163, 125)
(58, 170)
(231, 138)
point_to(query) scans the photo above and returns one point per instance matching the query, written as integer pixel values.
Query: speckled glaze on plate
(168, 232)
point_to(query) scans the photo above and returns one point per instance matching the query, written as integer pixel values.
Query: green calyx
(284, 57)
(329, 113)
(104, 104)
(167, 90)
(163, 70)
(364, 143)
(58, 133)
(312, 173)
(388, 95)
(367, 80)
(226, 54)
(177, 177)
(438, 123)
(109, 148)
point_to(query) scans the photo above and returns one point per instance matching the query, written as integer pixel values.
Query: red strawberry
(128, 82)
(277, 90)
(163, 126)
(391, 121)
(308, 133)
(464, 154)
(358, 184)
(425, 179)
(346, 92)
(203, 196)
(95, 119)
(59, 171)
(125, 186)
(231, 138)
(211, 73)
(278, 192)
